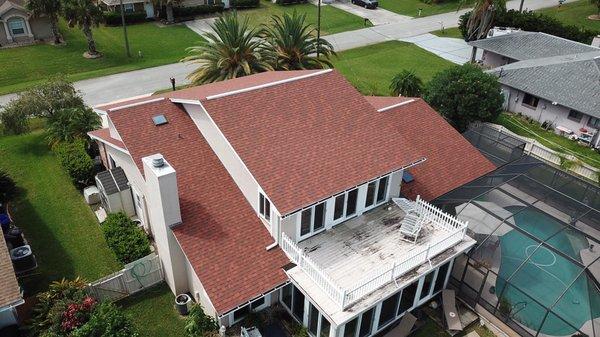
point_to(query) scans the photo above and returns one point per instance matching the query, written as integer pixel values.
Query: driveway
(377, 16)
(451, 49)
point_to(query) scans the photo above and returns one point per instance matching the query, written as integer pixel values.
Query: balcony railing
(455, 228)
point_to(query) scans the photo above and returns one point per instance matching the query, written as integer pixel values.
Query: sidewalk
(139, 82)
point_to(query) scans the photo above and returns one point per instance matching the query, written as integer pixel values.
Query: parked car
(369, 4)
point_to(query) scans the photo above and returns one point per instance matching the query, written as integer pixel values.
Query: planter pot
(182, 302)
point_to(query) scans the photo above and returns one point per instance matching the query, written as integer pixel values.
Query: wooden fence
(134, 277)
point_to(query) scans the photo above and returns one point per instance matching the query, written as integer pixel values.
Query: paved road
(139, 82)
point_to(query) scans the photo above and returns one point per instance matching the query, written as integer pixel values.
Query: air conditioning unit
(91, 194)
(22, 259)
(115, 192)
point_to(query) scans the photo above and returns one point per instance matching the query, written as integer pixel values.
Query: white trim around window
(264, 207)
(17, 26)
(377, 192)
(312, 220)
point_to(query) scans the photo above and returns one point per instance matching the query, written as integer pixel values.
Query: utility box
(115, 192)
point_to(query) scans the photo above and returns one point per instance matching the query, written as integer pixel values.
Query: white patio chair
(410, 226)
(407, 206)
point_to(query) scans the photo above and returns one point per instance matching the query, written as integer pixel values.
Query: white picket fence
(134, 277)
(537, 150)
(455, 228)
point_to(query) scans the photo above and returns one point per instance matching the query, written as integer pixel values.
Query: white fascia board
(185, 101)
(396, 105)
(109, 144)
(136, 104)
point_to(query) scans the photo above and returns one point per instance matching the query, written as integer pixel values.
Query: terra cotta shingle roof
(10, 293)
(221, 235)
(451, 160)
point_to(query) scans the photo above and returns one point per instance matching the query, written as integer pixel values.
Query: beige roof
(10, 293)
(117, 2)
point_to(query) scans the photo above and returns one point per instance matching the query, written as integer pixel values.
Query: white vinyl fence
(134, 277)
(537, 150)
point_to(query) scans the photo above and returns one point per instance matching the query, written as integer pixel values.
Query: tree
(8, 188)
(86, 14)
(169, 9)
(406, 83)
(49, 8)
(70, 124)
(54, 94)
(482, 17)
(231, 50)
(14, 118)
(293, 45)
(464, 94)
(597, 4)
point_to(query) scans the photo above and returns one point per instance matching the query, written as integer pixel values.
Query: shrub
(536, 22)
(198, 324)
(74, 158)
(8, 188)
(107, 320)
(14, 118)
(125, 238)
(406, 83)
(464, 94)
(245, 3)
(67, 125)
(114, 18)
(187, 12)
(287, 2)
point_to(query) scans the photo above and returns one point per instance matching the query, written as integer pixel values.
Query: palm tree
(293, 45)
(70, 124)
(50, 8)
(86, 14)
(482, 17)
(406, 83)
(231, 50)
(597, 4)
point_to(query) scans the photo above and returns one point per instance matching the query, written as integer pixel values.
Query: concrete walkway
(452, 49)
(377, 16)
(139, 82)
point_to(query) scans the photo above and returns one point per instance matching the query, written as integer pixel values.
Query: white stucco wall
(197, 290)
(493, 60)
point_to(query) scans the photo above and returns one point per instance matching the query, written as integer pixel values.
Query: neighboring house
(548, 78)
(10, 292)
(275, 187)
(19, 27)
(129, 6)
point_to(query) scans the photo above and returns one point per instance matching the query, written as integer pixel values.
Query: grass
(333, 20)
(371, 68)
(448, 32)
(532, 129)
(575, 13)
(62, 230)
(25, 66)
(411, 7)
(153, 313)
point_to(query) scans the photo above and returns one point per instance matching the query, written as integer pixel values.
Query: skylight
(159, 120)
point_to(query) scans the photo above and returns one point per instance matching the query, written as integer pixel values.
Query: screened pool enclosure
(536, 264)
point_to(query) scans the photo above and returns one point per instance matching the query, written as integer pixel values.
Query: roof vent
(158, 161)
(159, 120)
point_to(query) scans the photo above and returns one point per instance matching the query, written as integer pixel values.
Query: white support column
(29, 32)
(8, 35)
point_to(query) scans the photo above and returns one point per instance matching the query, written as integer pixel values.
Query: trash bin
(182, 302)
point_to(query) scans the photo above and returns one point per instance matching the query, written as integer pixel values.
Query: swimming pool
(545, 276)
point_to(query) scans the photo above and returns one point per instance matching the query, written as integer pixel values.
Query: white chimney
(596, 41)
(162, 197)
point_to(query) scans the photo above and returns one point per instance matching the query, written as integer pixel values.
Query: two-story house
(276, 187)
(548, 78)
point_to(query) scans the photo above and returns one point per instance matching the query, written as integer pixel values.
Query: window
(298, 310)
(388, 310)
(338, 211)
(128, 8)
(376, 191)
(366, 324)
(575, 116)
(286, 296)
(351, 202)
(264, 207)
(16, 26)
(530, 100)
(426, 285)
(594, 122)
(350, 329)
(408, 297)
(313, 319)
(257, 303)
(325, 327)
(312, 219)
(345, 204)
(241, 313)
(441, 277)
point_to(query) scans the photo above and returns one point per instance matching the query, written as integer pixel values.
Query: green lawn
(411, 7)
(448, 32)
(575, 13)
(153, 313)
(62, 230)
(372, 68)
(24, 66)
(556, 142)
(333, 20)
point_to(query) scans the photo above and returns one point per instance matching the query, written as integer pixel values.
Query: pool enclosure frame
(571, 202)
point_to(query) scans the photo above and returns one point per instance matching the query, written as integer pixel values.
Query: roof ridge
(572, 41)
(269, 84)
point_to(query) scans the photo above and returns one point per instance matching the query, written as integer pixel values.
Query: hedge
(114, 18)
(75, 159)
(287, 2)
(536, 22)
(245, 3)
(186, 12)
(125, 238)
